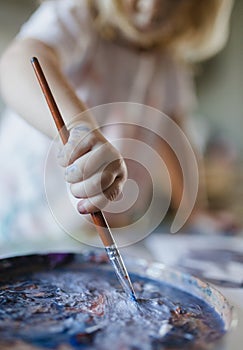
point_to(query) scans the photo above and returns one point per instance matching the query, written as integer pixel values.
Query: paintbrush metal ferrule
(120, 269)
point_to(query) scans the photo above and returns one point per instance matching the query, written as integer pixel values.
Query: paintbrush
(98, 217)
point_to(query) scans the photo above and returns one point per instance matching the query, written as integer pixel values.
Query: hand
(94, 168)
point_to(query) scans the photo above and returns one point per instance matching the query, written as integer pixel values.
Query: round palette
(74, 301)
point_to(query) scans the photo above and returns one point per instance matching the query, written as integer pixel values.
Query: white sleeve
(62, 24)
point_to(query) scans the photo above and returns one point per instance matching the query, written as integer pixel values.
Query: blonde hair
(196, 29)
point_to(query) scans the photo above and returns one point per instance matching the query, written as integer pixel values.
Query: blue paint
(81, 304)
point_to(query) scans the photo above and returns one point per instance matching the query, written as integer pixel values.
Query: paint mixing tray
(74, 301)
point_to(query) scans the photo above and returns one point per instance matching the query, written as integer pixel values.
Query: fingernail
(82, 209)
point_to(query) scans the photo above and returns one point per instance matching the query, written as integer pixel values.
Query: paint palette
(74, 301)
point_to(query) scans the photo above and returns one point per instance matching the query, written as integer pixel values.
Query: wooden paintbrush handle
(61, 127)
(98, 217)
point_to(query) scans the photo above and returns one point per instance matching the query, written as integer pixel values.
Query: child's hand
(94, 168)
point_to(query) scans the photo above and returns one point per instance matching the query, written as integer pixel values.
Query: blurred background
(219, 84)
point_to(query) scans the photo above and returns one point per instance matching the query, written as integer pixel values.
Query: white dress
(101, 72)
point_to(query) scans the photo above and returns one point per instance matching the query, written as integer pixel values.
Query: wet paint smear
(51, 302)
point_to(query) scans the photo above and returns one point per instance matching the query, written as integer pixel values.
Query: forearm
(21, 91)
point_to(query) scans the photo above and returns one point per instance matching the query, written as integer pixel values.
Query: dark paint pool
(55, 303)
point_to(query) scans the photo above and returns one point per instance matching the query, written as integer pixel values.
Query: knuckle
(72, 173)
(76, 190)
(121, 164)
(92, 139)
(122, 169)
(62, 157)
(94, 187)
